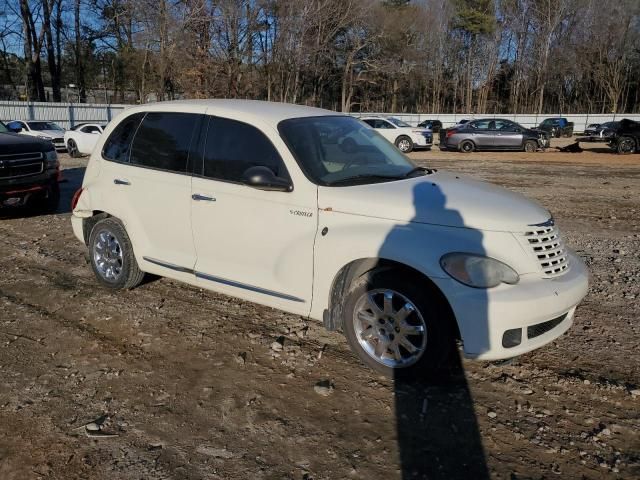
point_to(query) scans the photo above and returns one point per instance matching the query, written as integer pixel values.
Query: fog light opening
(512, 338)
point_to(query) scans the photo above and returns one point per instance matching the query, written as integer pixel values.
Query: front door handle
(119, 181)
(198, 197)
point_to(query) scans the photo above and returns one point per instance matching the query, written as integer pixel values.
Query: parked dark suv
(493, 134)
(29, 171)
(626, 139)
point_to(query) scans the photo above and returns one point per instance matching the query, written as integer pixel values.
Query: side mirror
(263, 178)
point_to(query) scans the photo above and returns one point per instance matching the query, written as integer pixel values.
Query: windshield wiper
(427, 171)
(368, 176)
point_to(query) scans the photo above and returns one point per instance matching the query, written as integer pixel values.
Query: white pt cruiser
(315, 213)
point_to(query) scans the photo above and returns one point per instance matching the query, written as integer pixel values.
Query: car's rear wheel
(404, 144)
(467, 146)
(626, 145)
(72, 148)
(111, 256)
(396, 326)
(530, 146)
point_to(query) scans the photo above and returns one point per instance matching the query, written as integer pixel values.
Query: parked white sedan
(81, 139)
(401, 134)
(41, 129)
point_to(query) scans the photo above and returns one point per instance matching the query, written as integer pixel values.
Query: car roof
(238, 109)
(491, 119)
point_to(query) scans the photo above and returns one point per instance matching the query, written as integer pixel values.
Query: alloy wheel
(107, 256)
(389, 328)
(404, 145)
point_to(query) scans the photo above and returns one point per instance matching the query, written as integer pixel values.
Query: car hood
(441, 198)
(50, 133)
(11, 143)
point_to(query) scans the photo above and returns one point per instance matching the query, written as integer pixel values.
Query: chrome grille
(21, 165)
(548, 249)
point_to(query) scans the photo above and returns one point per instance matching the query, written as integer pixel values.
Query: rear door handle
(198, 197)
(118, 181)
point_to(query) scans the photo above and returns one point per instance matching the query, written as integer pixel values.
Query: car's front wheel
(396, 325)
(48, 200)
(404, 144)
(111, 256)
(530, 146)
(626, 145)
(72, 148)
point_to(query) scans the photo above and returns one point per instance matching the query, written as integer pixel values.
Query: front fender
(419, 246)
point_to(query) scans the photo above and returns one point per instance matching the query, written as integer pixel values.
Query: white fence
(64, 114)
(69, 114)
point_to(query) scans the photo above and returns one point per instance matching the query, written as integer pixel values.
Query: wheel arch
(89, 222)
(332, 317)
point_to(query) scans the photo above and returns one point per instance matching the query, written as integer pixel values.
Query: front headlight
(478, 271)
(51, 158)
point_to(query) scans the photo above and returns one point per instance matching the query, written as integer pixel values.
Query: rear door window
(232, 147)
(481, 124)
(162, 141)
(118, 145)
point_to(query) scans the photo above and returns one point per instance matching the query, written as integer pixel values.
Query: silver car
(492, 134)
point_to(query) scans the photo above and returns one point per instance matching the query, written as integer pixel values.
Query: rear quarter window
(118, 145)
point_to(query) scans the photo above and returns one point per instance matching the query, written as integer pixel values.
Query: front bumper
(422, 141)
(23, 187)
(484, 315)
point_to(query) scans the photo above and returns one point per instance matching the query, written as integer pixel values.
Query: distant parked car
(433, 125)
(493, 134)
(591, 129)
(37, 128)
(603, 132)
(81, 139)
(400, 133)
(557, 127)
(626, 138)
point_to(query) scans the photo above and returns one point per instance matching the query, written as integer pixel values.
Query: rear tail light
(450, 132)
(75, 198)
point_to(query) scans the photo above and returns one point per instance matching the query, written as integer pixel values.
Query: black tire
(52, 200)
(404, 144)
(626, 145)
(467, 146)
(130, 275)
(72, 149)
(530, 146)
(46, 201)
(440, 339)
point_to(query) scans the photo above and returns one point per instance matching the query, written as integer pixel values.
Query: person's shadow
(437, 429)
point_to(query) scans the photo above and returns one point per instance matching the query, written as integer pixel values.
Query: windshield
(3, 128)
(43, 126)
(342, 150)
(398, 122)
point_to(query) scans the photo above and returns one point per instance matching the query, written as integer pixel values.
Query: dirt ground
(172, 382)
